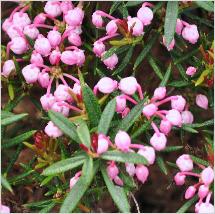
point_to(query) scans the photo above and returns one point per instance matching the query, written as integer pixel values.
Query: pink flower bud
(42, 46)
(178, 103)
(59, 107)
(47, 101)
(98, 48)
(171, 45)
(74, 17)
(18, 45)
(118, 181)
(68, 57)
(190, 192)
(7, 24)
(54, 38)
(187, 117)
(8, 67)
(203, 191)
(130, 169)
(158, 141)
(122, 141)
(165, 126)
(197, 206)
(77, 89)
(21, 19)
(36, 58)
(207, 175)
(73, 181)
(40, 19)
(111, 61)
(106, 85)
(190, 33)
(135, 26)
(145, 15)
(31, 31)
(30, 73)
(65, 6)
(191, 71)
(53, 131)
(79, 56)
(43, 79)
(149, 110)
(120, 103)
(185, 163)
(142, 173)
(75, 39)
(202, 101)
(61, 93)
(149, 153)
(125, 112)
(75, 29)
(111, 27)
(128, 85)
(174, 117)
(179, 26)
(54, 57)
(97, 20)
(112, 171)
(103, 144)
(179, 179)
(206, 208)
(4, 209)
(53, 8)
(159, 93)
(14, 31)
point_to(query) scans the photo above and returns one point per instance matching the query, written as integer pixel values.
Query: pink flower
(36, 58)
(98, 48)
(130, 169)
(179, 179)
(53, 131)
(171, 45)
(40, 19)
(18, 45)
(159, 93)
(31, 31)
(142, 173)
(174, 117)
(7, 24)
(97, 20)
(120, 103)
(54, 38)
(30, 73)
(61, 93)
(178, 103)
(179, 26)
(111, 27)
(54, 57)
(59, 107)
(21, 19)
(202, 101)
(42, 46)
(128, 85)
(43, 79)
(191, 71)
(207, 175)
(14, 31)
(4, 209)
(47, 101)
(74, 17)
(185, 163)
(65, 6)
(149, 153)
(203, 191)
(106, 85)
(112, 170)
(158, 141)
(75, 39)
(68, 57)
(122, 141)
(53, 8)
(8, 67)
(165, 126)
(187, 117)
(149, 110)
(135, 25)
(206, 208)
(79, 56)
(103, 144)
(111, 61)
(190, 33)
(190, 192)
(145, 15)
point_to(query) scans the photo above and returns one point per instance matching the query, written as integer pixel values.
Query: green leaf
(5, 114)
(79, 188)
(188, 204)
(16, 140)
(181, 71)
(109, 53)
(125, 62)
(145, 51)
(117, 193)
(133, 3)
(13, 103)
(170, 21)
(12, 119)
(114, 7)
(199, 160)
(83, 132)
(5, 183)
(66, 126)
(11, 91)
(160, 162)
(189, 129)
(38, 204)
(47, 180)
(155, 67)
(166, 76)
(30, 40)
(48, 208)
(106, 117)
(179, 84)
(142, 129)
(186, 56)
(207, 5)
(199, 125)
(64, 165)
(92, 106)
(172, 148)
(124, 157)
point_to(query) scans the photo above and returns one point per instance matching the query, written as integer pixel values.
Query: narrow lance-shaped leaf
(207, 5)
(5, 183)
(109, 53)
(199, 160)
(161, 164)
(188, 204)
(155, 67)
(12, 119)
(166, 76)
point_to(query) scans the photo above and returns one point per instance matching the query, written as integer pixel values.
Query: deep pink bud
(54, 38)
(191, 71)
(187, 117)
(128, 85)
(149, 153)
(40, 19)
(31, 31)
(97, 20)
(54, 57)
(61, 93)
(18, 45)
(130, 169)
(65, 6)
(4, 209)
(185, 163)
(30, 73)
(171, 45)
(165, 126)
(98, 48)
(74, 17)
(36, 58)
(159, 93)
(178, 103)
(43, 79)
(47, 101)
(206, 208)
(142, 173)
(112, 171)
(120, 103)
(149, 110)
(53, 8)
(8, 67)
(111, 27)
(118, 181)
(42, 46)
(103, 144)
(75, 39)
(179, 179)
(190, 33)
(207, 175)
(190, 192)
(158, 141)
(179, 26)
(174, 117)
(106, 85)
(122, 141)
(59, 107)
(111, 61)
(53, 131)
(202, 101)
(145, 15)
(21, 19)
(203, 191)
(135, 25)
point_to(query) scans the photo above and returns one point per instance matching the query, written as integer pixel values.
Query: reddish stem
(101, 13)
(107, 37)
(129, 99)
(166, 100)
(72, 78)
(140, 91)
